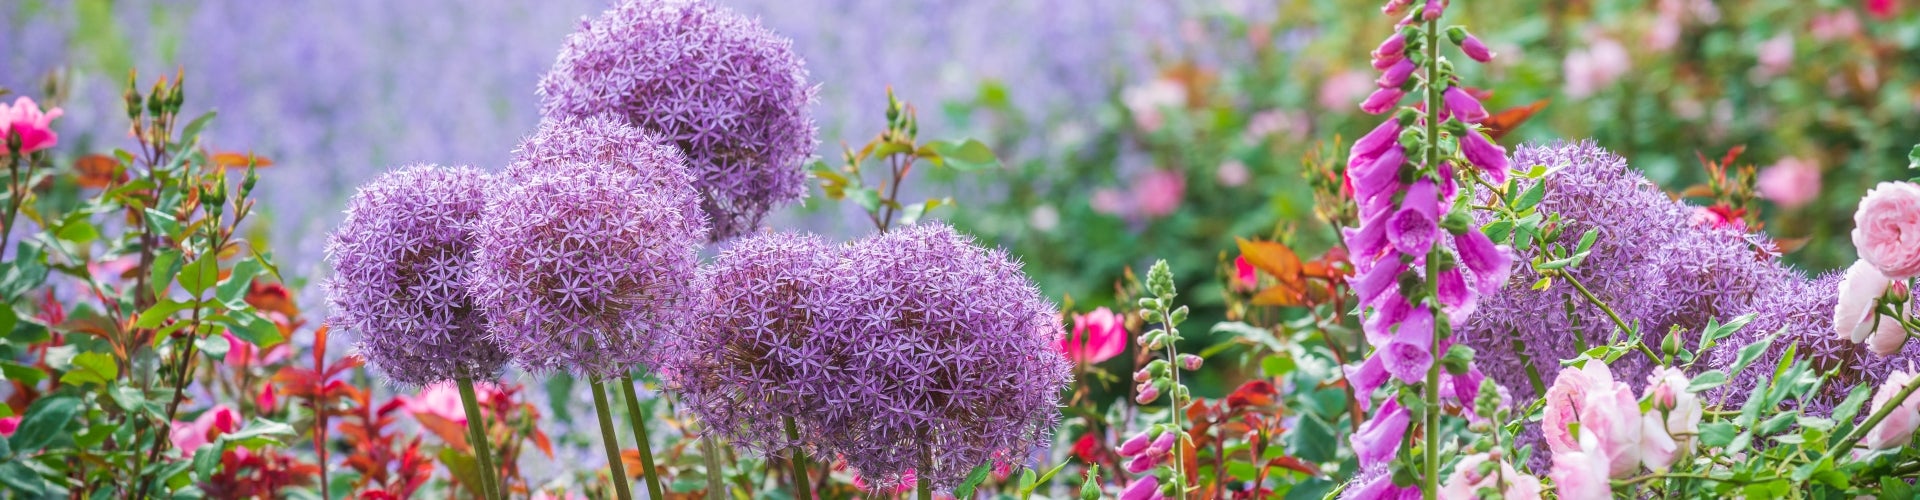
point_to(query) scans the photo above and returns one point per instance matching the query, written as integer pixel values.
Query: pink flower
(1775, 55)
(1466, 481)
(1883, 9)
(1490, 158)
(1146, 488)
(190, 436)
(543, 495)
(1853, 316)
(1581, 472)
(443, 400)
(1395, 75)
(1378, 438)
(1791, 183)
(1897, 429)
(1232, 173)
(1382, 100)
(1835, 25)
(1464, 106)
(1888, 338)
(1147, 102)
(1599, 64)
(1491, 264)
(1605, 410)
(34, 127)
(7, 426)
(1476, 49)
(1667, 429)
(1413, 228)
(1886, 229)
(907, 482)
(1108, 201)
(1097, 336)
(1158, 193)
(1342, 89)
(241, 354)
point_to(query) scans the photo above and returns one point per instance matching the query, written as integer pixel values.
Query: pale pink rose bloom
(1605, 409)
(1775, 55)
(25, 119)
(1668, 430)
(1342, 90)
(1466, 481)
(190, 436)
(1853, 316)
(1158, 193)
(1886, 229)
(1581, 473)
(1233, 173)
(1293, 124)
(1097, 336)
(1791, 183)
(1148, 101)
(1108, 201)
(1565, 397)
(1897, 429)
(1835, 25)
(1599, 64)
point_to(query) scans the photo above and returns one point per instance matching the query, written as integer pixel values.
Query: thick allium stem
(640, 434)
(926, 464)
(612, 442)
(710, 456)
(477, 435)
(802, 486)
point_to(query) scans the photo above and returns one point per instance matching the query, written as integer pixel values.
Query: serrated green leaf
(166, 265)
(91, 368)
(158, 313)
(1716, 433)
(162, 223)
(1500, 230)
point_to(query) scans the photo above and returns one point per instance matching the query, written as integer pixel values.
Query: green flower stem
(477, 436)
(1860, 432)
(1430, 469)
(1179, 479)
(924, 476)
(611, 441)
(640, 434)
(802, 485)
(710, 456)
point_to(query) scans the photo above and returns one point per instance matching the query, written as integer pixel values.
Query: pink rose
(1589, 69)
(7, 426)
(1563, 401)
(1245, 278)
(1897, 429)
(1158, 193)
(1147, 102)
(1791, 183)
(1604, 408)
(1097, 336)
(1853, 316)
(1581, 473)
(1667, 430)
(1343, 89)
(1886, 229)
(190, 436)
(1775, 55)
(1466, 481)
(1108, 201)
(34, 127)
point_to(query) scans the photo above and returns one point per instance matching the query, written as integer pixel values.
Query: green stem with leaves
(611, 441)
(648, 470)
(1860, 432)
(477, 435)
(1430, 466)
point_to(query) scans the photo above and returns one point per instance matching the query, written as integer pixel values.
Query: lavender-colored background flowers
(758, 356)
(955, 358)
(589, 267)
(399, 260)
(728, 92)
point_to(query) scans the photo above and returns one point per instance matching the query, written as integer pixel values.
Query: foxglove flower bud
(1395, 45)
(1395, 75)
(1136, 444)
(1142, 463)
(1382, 100)
(1147, 395)
(1476, 49)
(1163, 444)
(1191, 362)
(1464, 106)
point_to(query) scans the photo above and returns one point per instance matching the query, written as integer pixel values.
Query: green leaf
(163, 223)
(213, 345)
(973, 480)
(1913, 157)
(201, 274)
(22, 480)
(165, 265)
(45, 420)
(261, 433)
(91, 367)
(1707, 380)
(1716, 331)
(78, 232)
(1717, 433)
(465, 469)
(1750, 352)
(233, 291)
(1027, 491)
(8, 318)
(1312, 440)
(129, 398)
(1587, 239)
(158, 313)
(14, 371)
(966, 155)
(1891, 487)
(1531, 197)
(1536, 172)
(867, 198)
(192, 132)
(249, 326)
(1499, 231)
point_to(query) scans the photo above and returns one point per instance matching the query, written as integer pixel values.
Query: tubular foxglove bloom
(954, 358)
(730, 93)
(1382, 100)
(590, 267)
(399, 259)
(1476, 49)
(1396, 75)
(1489, 158)
(1465, 107)
(758, 355)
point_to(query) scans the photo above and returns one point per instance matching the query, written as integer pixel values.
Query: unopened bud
(1147, 395)
(1191, 362)
(1898, 292)
(1136, 444)
(1163, 444)
(1143, 375)
(1671, 344)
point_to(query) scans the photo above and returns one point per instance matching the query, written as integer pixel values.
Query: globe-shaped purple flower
(399, 260)
(588, 264)
(758, 357)
(569, 144)
(728, 92)
(951, 360)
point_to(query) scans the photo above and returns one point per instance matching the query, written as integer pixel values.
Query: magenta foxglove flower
(1396, 75)
(1476, 49)
(1382, 100)
(25, 119)
(590, 268)
(1414, 227)
(400, 261)
(1464, 106)
(1490, 158)
(1378, 439)
(729, 93)
(954, 357)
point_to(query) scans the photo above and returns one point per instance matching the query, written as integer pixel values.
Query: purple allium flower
(954, 357)
(568, 144)
(589, 268)
(758, 355)
(399, 259)
(728, 92)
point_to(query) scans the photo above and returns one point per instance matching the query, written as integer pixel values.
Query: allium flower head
(758, 356)
(728, 92)
(399, 261)
(589, 268)
(955, 357)
(603, 142)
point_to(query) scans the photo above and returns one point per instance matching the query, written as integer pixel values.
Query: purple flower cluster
(730, 93)
(399, 260)
(758, 357)
(952, 357)
(1401, 206)
(1801, 310)
(587, 262)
